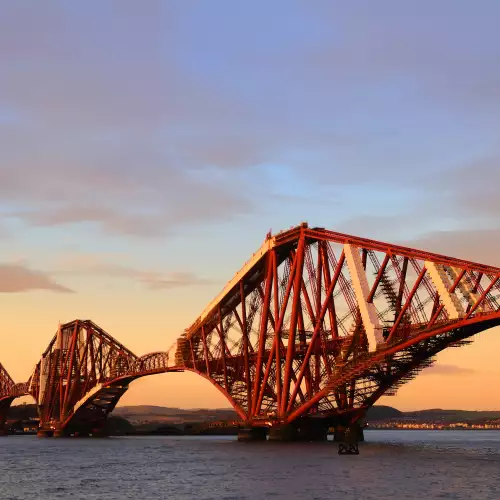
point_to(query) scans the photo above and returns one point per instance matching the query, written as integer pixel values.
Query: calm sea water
(392, 464)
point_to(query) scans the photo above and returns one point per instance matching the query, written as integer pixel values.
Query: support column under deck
(248, 434)
(4, 410)
(351, 433)
(306, 429)
(285, 432)
(45, 433)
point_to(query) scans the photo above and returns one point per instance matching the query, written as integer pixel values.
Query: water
(392, 464)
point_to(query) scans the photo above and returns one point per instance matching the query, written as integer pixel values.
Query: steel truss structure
(80, 377)
(322, 323)
(9, 391)
(6, 396)
(316, 324)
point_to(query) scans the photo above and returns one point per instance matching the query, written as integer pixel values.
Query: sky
(146, 148)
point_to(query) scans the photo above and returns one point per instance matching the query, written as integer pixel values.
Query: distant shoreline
(149, 434)
(156, 420)
(428, 429)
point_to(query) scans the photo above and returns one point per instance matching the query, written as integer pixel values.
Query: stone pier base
(303, 430)
(98, 433)
(282, 433)
(247, 434)
(45, 433)
(312, 430)
(351, 434)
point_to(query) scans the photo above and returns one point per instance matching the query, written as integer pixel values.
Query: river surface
(392, 464)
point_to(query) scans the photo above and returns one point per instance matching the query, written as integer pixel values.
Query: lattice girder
(9, 390)
(316, 322)
(311, 302)
(6, 383)
(80, 357)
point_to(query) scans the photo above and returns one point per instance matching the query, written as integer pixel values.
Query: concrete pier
(45, 433)
(353, 433)
(98, 433)
(303, 430)
(248, 434)
(312, 430)
(283, 433)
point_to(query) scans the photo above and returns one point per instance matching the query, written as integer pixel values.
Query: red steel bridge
(311, 331)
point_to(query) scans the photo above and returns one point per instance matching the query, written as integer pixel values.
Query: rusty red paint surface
(285, 339)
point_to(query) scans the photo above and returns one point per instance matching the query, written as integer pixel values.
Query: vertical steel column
(296, 304)
(263, 331)
(244, 332)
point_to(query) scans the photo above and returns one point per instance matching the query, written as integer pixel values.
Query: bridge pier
(248, 434)
(45, 433)
(350, 433)
(82, 431)
(4, 410)
(306, 429)
(99, 433)
(283, 433)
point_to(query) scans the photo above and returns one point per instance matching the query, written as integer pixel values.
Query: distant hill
(448, 416)
(381, 412)
(22, 412)
(378, 413)
(146, 414)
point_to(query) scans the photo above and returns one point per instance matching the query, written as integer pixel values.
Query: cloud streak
(477, 245)
(16, 278)
(151, 125)
(86, 147)
(442, 369)
(153, 280)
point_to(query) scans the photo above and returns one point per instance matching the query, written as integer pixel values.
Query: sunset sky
(146, 148)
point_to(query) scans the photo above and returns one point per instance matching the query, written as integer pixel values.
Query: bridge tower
(71, 381)
(6, 396)
(317, 325)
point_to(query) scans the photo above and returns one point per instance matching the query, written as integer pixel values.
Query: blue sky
(147, 147)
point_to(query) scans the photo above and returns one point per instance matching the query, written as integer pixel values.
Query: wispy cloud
(443, 369)
(126, 196)
(473, 188)
(150, 125)
(479, 245)
(154, 280)
(18, 278)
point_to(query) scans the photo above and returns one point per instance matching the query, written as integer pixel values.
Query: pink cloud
(439, 369)
(18, 278)
(154, 280)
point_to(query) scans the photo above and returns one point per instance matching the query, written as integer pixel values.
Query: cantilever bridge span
(312, 330)
(79, 379)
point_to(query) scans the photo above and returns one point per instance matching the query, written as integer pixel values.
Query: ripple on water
(392, 464)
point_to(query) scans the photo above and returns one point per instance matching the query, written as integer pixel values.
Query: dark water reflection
(392, 464)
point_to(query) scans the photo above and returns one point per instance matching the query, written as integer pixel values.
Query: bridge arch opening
(11, 407)
(185, 390)
(90, 413)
